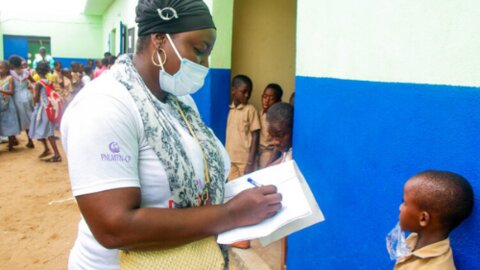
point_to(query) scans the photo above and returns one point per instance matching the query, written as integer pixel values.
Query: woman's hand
(254, 205)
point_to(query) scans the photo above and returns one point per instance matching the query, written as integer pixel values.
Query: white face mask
(188, 79)
(396, 245)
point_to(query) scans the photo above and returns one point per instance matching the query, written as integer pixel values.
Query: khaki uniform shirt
(242, 121)
(436, 256)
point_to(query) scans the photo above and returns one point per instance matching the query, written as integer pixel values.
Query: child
(434, 203)
(243, 127)
(280, 127)
(9, 126)
(271, 95)
(57, 77)
(22, 95)
(87, 75)
(77, 74)
(41, 128)
(67, 87)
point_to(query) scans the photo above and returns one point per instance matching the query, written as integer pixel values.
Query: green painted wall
(72, 36)
(223, 16)
(1, 40)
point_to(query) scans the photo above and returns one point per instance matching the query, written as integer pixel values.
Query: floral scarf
(165, 139)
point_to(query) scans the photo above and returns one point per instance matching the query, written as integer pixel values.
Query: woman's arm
(117, 221)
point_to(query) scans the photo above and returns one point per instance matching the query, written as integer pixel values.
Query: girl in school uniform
(9, 126)
(22, 95)
(40, 127)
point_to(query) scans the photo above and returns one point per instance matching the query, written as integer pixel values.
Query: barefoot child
(434, 203)
(41, 128)
(22, 95)
(271, 95)
(9, 126)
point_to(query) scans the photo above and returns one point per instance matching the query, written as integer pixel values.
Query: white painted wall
(427, 41)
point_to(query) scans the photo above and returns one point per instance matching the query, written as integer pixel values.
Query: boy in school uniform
(271, 95)
(279, 125)
(434, 203)
(243, 128)
(280, 129)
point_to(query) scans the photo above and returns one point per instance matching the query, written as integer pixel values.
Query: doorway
(263, 46)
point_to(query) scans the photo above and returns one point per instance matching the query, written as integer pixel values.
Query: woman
(135, 168)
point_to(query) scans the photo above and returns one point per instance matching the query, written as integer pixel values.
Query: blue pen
(253, 182)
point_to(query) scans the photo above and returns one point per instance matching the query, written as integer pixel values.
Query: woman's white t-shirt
(103, 136)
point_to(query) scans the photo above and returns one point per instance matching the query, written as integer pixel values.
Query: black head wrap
(172, 16)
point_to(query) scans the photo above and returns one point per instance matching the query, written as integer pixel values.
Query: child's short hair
(87, 70)
(278, 90)
(242, 79)
(281, 112)
(106, 61)
(15, 61)
(42, 68)
(447, 194)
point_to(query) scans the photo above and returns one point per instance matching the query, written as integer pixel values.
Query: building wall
(214, 98)
(381, 94)
(264, 44)
(72, 36)
(119, 11)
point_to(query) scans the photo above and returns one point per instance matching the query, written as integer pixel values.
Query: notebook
(299, 207)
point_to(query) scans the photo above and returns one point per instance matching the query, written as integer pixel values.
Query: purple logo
(114, 154)
(114, 147)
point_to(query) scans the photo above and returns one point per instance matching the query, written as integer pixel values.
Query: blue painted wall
(67, 61)
(213, 101)
(15, 45)
(357, 142)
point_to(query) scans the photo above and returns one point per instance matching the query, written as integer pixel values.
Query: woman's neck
(149, 75)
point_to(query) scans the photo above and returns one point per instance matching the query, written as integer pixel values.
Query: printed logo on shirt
(114, 147)
(115, 154)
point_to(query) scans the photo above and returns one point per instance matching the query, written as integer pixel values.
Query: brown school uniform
(242, 121)
(436, 256)
(265, 147)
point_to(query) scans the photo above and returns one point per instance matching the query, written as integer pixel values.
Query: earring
(159, 56)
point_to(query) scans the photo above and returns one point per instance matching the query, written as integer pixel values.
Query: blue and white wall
(384, 90)
(213, 99)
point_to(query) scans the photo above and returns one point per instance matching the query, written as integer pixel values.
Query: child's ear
(425, 219)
